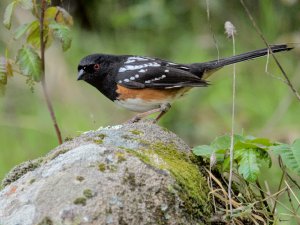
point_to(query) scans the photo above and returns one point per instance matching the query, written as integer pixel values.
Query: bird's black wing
(143, 72)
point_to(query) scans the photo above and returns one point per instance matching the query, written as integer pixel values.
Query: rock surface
(126, 174)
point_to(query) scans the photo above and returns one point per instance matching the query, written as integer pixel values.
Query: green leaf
(226, 164)
(244, 145)
(248, 165)
(33, 37)
(223, 142)
(63, 33)
(8, 14)
(203, 150)
(29, 63)
(21, 30)
(290, 155)
(26, 4)
(50, 14)
(261, 142)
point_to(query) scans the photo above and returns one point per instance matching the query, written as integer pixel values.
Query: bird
(148, 85)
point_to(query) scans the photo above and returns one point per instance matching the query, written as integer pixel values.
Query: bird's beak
(81, 74)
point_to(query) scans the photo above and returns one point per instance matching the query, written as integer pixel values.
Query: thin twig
(293, 193)
(43, 81)
(288, 82)
(269, 193)
(210, 28)
(290, 200)
(270, 74)
(279, 186)
(265, 203)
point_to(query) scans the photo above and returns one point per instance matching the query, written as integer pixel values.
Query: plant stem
(279, 186)
(232, 131)
(43, 81)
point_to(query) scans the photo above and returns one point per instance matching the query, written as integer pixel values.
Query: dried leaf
(5, 72)
(64, 16)
(58, 15)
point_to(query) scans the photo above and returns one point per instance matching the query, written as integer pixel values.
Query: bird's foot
(135, 119)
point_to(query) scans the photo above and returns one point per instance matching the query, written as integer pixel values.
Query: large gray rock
(126, 174)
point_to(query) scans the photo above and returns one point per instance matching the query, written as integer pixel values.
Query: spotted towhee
(149, 85)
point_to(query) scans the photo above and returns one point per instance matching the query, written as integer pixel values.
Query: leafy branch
(51, 22)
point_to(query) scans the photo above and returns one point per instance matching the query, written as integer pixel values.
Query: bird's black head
(94, 68)
(90, 68)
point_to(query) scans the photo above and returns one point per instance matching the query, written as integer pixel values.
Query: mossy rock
(126, 174)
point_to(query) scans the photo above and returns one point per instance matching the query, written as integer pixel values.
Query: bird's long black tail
(202, 68)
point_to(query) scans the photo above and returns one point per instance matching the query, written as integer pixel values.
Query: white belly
(139, 105)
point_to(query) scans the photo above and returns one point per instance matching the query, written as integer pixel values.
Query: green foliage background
(176, 30)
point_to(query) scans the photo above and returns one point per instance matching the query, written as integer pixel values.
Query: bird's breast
(142, 100)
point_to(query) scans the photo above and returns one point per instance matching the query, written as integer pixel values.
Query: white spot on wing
(132, 59)
(122, 69)
(132, 78)
(129, 61)
(167, 71)
(126, 80)
(137, 76)
(120, 82)
(137, 67)
(184, 67)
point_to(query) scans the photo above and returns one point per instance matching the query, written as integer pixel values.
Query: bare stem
(279, 186)
(43, 81)
(231, 155)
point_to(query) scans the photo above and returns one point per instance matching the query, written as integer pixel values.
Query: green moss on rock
(192, 188)
(120, 157)
(98, 141)
(80, 178)
(102, 136)
(136, 132)
(68, 139)
(102, 167)
(21, 170)
(46, 221)
(80, 201)
(57, 153)
(88, 193)
(31, 181)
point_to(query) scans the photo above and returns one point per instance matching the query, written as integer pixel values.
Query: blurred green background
(176, 30)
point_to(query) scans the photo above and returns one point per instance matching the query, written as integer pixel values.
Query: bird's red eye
(97, 66)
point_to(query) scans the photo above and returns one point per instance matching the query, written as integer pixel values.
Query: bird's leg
(140, 116)
(162, 109)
